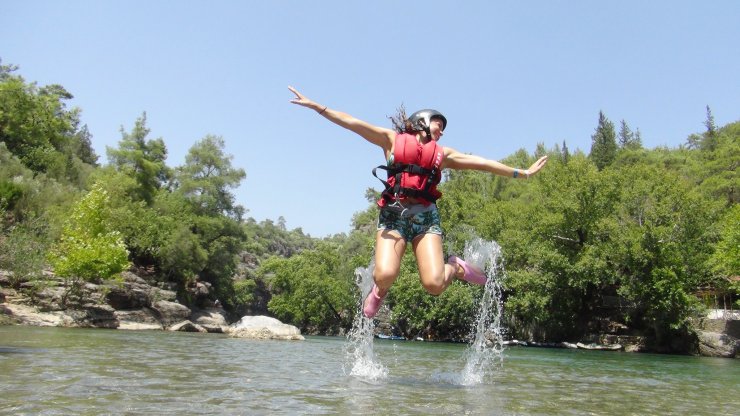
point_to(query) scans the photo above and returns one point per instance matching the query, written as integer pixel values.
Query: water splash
(482, 357)
(485, 354)
(360, 357)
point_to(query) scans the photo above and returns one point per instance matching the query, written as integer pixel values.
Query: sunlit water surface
(53, 371)
(94, 371)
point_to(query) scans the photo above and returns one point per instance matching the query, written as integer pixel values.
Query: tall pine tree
(565, 153)
(629, 139)
(710, 137)
(603, 143)
(625, 135)
(142, 159)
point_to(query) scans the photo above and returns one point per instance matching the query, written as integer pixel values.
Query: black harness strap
(397, 170)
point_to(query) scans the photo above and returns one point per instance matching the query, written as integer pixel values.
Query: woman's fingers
(536, 166)
(299, 98)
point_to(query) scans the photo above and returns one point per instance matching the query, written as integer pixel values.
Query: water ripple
(75, 371)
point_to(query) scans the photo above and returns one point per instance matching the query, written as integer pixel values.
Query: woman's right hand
(302, 100)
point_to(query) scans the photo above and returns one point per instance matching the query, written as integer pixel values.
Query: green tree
(146, 229)
(629, 139)
(565, 155)
(32, 208)
(552, 248)
(208, 176)
(89, 248)
(141, 159)
(603, 143)
(308, 292)
(23, 249)
(197, 241)
(36, 126)
(82, 147)
(222, 239)
(416, 313)
(725, 261)
(660, 241)
(637, 139)
(710, 125)
(717, 173)
(265, 239)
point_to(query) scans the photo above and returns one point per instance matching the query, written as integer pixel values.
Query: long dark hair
(401, 121)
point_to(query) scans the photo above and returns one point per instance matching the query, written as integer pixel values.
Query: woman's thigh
(430, 259)
(389, 249)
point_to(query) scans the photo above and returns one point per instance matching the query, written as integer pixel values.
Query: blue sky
(507, 75)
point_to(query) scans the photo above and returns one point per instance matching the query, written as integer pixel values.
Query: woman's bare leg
(435, 275)
(389, 249)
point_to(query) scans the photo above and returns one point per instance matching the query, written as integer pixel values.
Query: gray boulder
(212, 319)
(135, 293)
(718, 333)
(96, 316)
(138, 319)
(171, 312)
(187, 326)
(714, 344)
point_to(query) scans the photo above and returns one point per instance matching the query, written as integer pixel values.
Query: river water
(94, 371)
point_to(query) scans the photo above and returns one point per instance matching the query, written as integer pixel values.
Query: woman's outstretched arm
(378, 136)
(457, 160)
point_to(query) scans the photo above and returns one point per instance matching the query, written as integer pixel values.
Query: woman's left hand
(536, 166)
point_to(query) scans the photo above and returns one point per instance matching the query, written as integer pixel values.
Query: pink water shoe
(372, 302)
(472, 273)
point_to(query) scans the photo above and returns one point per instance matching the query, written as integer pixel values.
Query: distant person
(414, 163)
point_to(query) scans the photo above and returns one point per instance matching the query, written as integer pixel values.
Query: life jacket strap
(393, 192)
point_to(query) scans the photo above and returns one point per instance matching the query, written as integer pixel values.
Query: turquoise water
(76, 371)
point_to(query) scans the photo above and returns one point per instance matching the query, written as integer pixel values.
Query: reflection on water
(77, 371)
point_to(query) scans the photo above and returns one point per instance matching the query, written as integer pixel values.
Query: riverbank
(133, 304)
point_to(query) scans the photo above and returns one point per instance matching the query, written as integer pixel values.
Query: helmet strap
(428, 131)
(426, 128)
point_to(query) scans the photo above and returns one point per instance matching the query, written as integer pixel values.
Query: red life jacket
(415, 171)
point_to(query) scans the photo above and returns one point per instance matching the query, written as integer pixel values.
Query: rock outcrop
(133, 304)
(263, 327)
(170, 313)
(211, 319)
(138, 319)
(187, 326)
(718, 334)
(29, 315)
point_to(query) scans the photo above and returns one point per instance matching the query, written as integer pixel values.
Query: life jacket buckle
(397, 207)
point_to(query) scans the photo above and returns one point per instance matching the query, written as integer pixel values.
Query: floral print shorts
(415, 221)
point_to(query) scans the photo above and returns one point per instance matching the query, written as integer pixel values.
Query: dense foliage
(623, 235)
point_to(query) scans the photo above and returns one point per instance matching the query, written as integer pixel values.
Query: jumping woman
(408, 213)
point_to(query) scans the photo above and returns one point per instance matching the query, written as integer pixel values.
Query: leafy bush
(89, 248)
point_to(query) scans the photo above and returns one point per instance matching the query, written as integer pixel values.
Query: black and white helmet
(422, 119)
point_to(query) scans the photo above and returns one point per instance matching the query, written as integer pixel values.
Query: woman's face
(435, 128)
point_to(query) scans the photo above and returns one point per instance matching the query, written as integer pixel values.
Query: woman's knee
(435, 285)
(384, 276)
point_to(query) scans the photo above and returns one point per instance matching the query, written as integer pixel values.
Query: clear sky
(507, 74)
